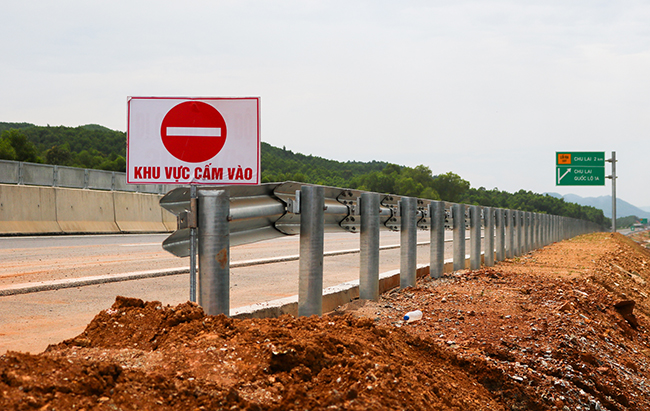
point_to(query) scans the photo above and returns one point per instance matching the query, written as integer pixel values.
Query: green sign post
(584, 168)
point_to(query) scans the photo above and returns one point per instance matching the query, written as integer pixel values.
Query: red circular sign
(193, 131)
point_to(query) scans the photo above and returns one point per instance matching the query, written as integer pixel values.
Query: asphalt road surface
(29, 322)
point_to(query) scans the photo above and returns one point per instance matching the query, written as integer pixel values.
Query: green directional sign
(581, 158)
(582, 168)
(580, 176)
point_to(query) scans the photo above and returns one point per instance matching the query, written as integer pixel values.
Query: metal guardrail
(23, 173)
(225, 216)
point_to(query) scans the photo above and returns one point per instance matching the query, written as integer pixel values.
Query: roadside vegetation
(89, 146)
(97, 147)
(627, 222)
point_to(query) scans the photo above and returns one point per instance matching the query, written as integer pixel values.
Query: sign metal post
(193, 227)
(613, 177)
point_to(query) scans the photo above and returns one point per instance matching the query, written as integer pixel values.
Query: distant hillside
(97, 147)
(280, 164)
(9, 126)
(623, 208)
(89, 146)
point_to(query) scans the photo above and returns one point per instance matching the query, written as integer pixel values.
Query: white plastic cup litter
(413, 316)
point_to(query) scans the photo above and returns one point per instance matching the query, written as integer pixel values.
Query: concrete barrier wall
(85, 211)
(168, 219)
(100, 180)
(9, 172)
(50, 210)
(138, 212)
(70, 177)
(27, 210)
(121, 184)
(38, 174)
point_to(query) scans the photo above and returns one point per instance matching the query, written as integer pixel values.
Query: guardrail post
(538, 230)
(519, 217)
(214, 252)
(532, 245)
(547, 229)
(488, 219)
(566, 228)
(533, 229)
(500, 235)
(525, 226)
(458, 215)
(515, 233)
(437, 246)
(510, 233)
(523, 241)
(475, 237)
(547, 223)
(312, 232)
(369, 245)
(523, 248)
(408, 242)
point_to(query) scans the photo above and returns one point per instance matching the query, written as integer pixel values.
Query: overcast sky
(487, 89)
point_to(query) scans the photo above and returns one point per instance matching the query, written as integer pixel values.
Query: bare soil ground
(562, 328)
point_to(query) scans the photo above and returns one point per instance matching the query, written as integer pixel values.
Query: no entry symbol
(193, 131)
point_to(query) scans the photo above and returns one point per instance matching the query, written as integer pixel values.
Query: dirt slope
(561, 328)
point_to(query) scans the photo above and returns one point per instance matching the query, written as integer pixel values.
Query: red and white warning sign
(173, 140)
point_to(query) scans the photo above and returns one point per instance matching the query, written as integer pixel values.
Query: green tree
(113, 163)
(450, 187)
(24, 149)
(58, 155)
(7, 152)
(430, 193)
(529, 201)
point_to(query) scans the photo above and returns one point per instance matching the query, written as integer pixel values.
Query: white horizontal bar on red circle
(194, 131)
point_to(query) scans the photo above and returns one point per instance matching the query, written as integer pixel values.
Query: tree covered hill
(95, 146)
(89, 146)
(280, 164)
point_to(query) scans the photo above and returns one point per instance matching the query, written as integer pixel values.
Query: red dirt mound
(562, 328)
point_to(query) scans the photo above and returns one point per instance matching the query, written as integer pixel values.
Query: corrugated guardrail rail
(225, 216)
